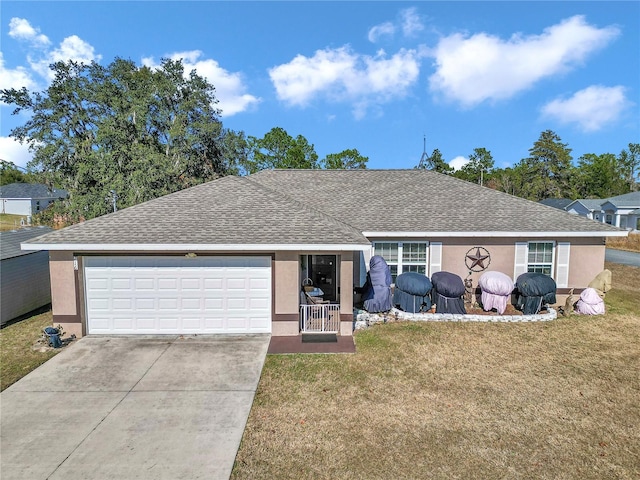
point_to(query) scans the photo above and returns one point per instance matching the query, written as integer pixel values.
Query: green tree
(478, 168)
(548, 169)
(347, 159)
(9, 173)
(278, 149)
(600, 176)
(630, 164)
(138, 131)
(434, 162)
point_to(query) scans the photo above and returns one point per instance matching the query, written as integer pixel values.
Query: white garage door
(156, 295)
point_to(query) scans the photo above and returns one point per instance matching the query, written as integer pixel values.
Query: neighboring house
(24, 275)
(560, 203)
(590, 208)
(622, 211)
(28, 198)
(231, 255)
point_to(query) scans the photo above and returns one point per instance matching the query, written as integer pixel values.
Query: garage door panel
(178, 294)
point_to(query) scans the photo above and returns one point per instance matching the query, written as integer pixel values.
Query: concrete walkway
(132, 407)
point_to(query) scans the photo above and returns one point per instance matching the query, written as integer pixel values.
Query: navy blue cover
(377, 289)
(447, 292)
(413, 283)
(534, 291)
(411, 292)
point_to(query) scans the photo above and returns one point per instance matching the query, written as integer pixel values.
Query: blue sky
(376, 76)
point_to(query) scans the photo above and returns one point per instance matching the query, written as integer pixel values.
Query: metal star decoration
(475, 261)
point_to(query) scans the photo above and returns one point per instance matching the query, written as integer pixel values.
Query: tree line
(140, 133)
(549, 171)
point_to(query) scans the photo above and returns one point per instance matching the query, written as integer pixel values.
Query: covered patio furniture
(602, 282)
(447, 293)
(411, 293)
(496, 290)
(376, 293)
(590, 302)
(535, 290)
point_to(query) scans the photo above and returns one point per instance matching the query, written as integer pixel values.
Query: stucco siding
(64, 301)
(25, 284)
(287, 282)
(587, 261)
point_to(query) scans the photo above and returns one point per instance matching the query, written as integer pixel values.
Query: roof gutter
(129, 247)
(611, 233)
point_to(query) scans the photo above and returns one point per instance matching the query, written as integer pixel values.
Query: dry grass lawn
(10, 222)
(17, 355)
(557, 400)
(630, 243)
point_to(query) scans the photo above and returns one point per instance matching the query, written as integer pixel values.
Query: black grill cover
(447, 292)
(411, 292)
(534, 291)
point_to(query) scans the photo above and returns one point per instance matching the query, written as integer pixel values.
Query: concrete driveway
(132, 407)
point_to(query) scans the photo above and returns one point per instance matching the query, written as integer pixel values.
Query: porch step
(293, 344)
(319, 338)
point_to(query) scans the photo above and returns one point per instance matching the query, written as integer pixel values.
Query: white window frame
(559, 266)
(400, 262)
(541, 264)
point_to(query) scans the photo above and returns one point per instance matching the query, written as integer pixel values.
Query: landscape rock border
(364, 319)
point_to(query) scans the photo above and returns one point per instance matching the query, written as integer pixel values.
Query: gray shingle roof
(229, 210)
(10, 241)
(319, 207)
(592, 203)
(560, 203)
(31, 190)
(627, 200)
(419, 201)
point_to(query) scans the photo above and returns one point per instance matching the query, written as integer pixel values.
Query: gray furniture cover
(376, 294)
(447, 292)
(411, 293)
(535, 290)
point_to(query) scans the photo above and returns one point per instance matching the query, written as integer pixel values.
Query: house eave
(399, 234)
(185, 247)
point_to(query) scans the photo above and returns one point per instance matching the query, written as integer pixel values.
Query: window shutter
(520, 262)
(435, 257)
(562, 264)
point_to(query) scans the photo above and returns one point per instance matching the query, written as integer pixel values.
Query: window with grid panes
(414, 257)
(540, 259)
(403, 256)
(388, 251)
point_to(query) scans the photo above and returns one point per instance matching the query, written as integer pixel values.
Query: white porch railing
(324, 317)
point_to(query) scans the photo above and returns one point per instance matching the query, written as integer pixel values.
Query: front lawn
(11, 222)
(17, 353)
(554, 400)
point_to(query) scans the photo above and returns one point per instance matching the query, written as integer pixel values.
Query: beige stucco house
(231, 255)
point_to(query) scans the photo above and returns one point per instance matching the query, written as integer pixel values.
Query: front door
(323, 272)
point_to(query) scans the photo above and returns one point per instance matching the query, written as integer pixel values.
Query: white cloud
(591, 109)
(411, 22)
(21, 29)
(12, 151)
(458, 162)
(383, 30)
(483, 67)
(342, 75)
(40, 54)
(15, 78)
(230, 87)
(71, 48)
